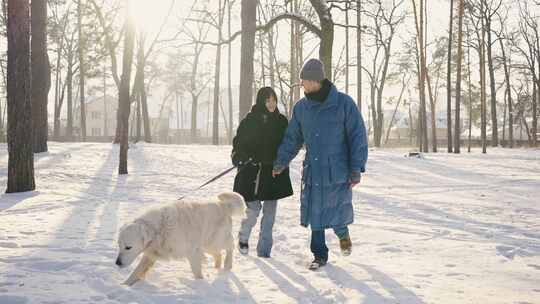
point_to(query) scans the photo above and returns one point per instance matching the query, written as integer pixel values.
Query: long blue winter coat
(336, 146)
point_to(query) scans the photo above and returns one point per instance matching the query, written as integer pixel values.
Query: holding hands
(277, 170)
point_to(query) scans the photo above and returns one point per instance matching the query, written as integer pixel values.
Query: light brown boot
(346, 245)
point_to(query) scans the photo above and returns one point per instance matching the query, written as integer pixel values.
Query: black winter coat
(258, 138)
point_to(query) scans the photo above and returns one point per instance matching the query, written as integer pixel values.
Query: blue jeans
(264, 246)
(318, 242)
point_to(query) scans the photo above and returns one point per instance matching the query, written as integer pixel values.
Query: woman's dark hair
(264, 93)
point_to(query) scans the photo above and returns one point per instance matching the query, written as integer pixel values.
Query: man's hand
(355, 179)
(277, 171)
(353, 184)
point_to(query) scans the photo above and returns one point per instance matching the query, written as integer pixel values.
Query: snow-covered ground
(443, 229)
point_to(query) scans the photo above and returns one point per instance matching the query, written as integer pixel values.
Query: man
(331, 127)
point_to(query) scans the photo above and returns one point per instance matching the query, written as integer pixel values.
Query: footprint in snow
(13, 299)
(9, 245)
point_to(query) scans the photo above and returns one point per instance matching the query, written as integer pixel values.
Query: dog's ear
(122, 228)
(145, 234)
(119, 232)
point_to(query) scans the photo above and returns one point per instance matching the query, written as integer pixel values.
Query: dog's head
(132, 240)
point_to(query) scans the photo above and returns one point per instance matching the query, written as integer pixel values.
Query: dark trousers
(318, 241)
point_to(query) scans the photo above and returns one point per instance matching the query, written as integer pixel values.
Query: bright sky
(150, 15)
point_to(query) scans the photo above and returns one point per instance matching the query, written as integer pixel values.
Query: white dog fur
(178, 230)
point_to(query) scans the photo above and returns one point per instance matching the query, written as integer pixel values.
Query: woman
(254, 150)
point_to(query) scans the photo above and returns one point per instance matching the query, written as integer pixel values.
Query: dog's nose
(118, 262)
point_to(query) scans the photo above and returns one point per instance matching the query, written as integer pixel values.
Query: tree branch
(308, 24)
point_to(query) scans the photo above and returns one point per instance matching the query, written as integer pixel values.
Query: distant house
(402, 126)
(159, 128)
(101, 121)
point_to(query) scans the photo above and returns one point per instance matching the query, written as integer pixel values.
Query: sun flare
(150, 15)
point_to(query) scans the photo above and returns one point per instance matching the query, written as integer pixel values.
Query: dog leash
(213, 179)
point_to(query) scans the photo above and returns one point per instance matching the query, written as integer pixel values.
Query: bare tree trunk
(449, 81)
(141, 89)
(1, 124)
(508, 95)
(483, 82)
(118, 134)
(105, 110)
(133, 123)
(534, 129)
(82, 71)
(56, 123)
(535, 102)
(457, 133)
(374, 116)
(3, 111)
(145, 116)
(59, 87)
(527, 129)
(41, 75)
(347, 47)
(182, 115)
(424, 52)
(138, 129)
(433, 115)
(294, 64)
(19, 131)
(419, 125)
(271, 50)
(503, 140)
(411, 127)
(469, 72)
(380, 119)
(493, 99)
(469, 82)
(194, 92)
(229, 70)
(178, 118)
(248, 16)
(359, 54)
(531, 132)
(215, 116)
(209, 102)
(327, 35)
(261, 49)
(124, 102)
(69, 80)
(299, 60)
(419, 21)
(194, 106)
(430, 92)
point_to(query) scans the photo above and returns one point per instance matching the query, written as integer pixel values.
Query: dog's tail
(234, 202)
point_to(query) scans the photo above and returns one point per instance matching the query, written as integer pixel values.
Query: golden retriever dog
(184, 229)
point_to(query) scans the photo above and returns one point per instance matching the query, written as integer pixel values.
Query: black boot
(243, 248)
(317, 263)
